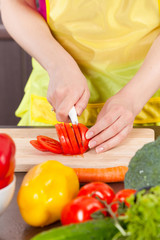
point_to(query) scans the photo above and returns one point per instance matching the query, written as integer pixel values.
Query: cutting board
(27, 156)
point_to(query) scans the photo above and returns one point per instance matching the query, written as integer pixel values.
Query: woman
(102, 52)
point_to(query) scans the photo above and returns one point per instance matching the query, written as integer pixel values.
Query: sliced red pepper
(72, 138)
(38, 146)
(50, 144)
(61, 138)
(78, 137)
(70, 149)
(83, 129)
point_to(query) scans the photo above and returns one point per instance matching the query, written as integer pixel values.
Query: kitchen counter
(12, 225)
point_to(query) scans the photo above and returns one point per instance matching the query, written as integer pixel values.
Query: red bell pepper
(7, 159)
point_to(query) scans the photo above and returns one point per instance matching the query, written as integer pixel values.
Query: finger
(109, 132)
(82, 102)
(103, 123)
(63, 109)
(52, 102)
(116, 140)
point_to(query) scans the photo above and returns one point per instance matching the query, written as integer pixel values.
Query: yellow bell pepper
(45, 190)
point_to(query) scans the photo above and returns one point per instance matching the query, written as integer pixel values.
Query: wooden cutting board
(27, 156)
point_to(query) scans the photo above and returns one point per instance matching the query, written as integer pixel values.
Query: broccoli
(144, 167)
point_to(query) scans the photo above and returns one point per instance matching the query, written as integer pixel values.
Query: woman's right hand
(67, 88)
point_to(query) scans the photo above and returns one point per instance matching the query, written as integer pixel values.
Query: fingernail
(99, 150)
(92, 144)
(89, 135)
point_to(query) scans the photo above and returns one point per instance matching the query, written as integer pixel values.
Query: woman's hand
(113, 124)
(116, 118)
(67, 88)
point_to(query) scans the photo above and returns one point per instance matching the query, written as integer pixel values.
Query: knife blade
(73, 116)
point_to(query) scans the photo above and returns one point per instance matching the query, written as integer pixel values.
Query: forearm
(147, 80)
(31, 32)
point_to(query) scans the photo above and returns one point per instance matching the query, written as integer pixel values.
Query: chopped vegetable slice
(72, 138)
(62, 138)
(83, 129)
(69, 146)
(38, 146)
(78, 137)
(50, 144)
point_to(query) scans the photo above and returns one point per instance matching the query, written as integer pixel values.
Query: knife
(73, 116)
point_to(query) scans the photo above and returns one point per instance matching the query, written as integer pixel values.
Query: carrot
(113, 174)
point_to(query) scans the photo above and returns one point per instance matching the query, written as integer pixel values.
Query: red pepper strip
(78, 137)
(50, 144)
(83, 129)
(38, 146)
(70, 149)
(72, 138)
(61, 138)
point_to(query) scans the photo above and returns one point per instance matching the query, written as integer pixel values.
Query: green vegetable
(102, 229)
(143, 217)
(144, 167)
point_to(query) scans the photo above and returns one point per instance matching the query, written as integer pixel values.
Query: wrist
(134, 98)
(57, 63)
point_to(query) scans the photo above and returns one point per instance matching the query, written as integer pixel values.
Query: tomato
(7, 159)
(69, 146)
(72, 138)
(98, 189)
(38, 146)
(78, 137)
(62, 138)
(80, 210)
(122, 196)
(83, 129)
(50, 144)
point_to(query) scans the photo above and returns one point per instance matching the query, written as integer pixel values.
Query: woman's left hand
(113, 124)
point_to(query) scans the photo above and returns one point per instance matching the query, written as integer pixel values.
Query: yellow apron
(109, 40)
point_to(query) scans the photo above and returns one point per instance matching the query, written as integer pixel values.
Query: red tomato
(7, 159)
(72, 138)
(62, 138)
(78, 137)
(69, 146)
(80, 210)
(49, 144)
(122, 196)
(83, 129)
(38, 146)
(98, 189)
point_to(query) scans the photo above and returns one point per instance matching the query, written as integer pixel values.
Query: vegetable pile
(72, 140)
(94, 201)
(7, 160)
(139, 220)
(144, 167)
